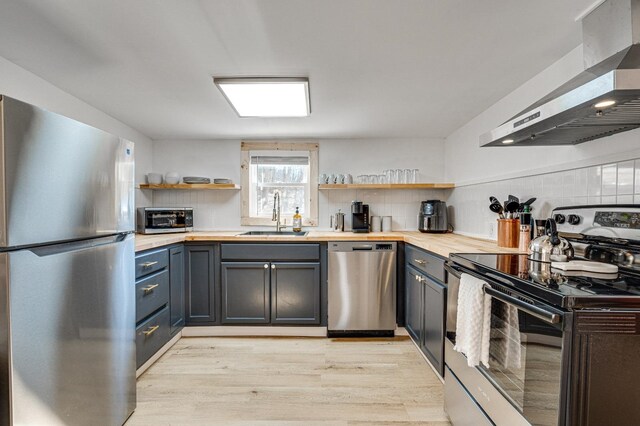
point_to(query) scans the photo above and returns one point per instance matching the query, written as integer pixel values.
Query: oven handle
(536, 311)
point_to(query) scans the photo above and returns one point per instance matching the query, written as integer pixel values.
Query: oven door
(526, 355)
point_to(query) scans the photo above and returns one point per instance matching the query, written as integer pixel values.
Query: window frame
(310, 219)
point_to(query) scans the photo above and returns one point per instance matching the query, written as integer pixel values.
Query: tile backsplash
(614, 183)
(401, 205)
(220, 210)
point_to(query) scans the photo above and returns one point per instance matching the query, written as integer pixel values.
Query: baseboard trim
(220, 331)
(144, 367)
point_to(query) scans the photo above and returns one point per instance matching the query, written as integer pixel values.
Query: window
(284, 167)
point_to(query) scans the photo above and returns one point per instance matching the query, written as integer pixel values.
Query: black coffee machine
(433, 216)
(359, 217)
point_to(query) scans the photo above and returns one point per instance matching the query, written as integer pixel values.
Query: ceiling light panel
(266, 97)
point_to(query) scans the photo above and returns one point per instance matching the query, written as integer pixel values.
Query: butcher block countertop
(442, 244)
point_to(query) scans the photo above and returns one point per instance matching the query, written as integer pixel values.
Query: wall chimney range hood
(601, 101)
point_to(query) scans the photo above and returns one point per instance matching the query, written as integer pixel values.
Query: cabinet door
(433, 333)
(200, 286)
(245, 292)
(295, 293)
(176, 284)
(413, 303)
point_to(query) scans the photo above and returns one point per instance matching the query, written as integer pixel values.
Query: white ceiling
(377, 68)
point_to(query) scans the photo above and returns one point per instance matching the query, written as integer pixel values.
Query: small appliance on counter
(337, 221)
(359, 217)
(161, 220)
(433, 216)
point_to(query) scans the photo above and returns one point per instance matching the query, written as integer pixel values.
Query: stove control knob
(559, 218)
(574, 219)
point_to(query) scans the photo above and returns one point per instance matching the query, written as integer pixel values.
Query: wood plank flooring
(290, 381)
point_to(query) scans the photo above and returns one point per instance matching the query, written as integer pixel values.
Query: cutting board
(586, 266)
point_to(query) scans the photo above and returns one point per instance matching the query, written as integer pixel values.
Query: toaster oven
(159, 220)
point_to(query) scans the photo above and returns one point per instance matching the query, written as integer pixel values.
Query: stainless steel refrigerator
(67, 309)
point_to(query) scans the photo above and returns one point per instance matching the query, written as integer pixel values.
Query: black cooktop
(567, 290)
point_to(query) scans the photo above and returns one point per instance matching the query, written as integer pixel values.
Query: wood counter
(442, 244)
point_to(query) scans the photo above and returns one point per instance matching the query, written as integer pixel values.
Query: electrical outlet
(491, 230)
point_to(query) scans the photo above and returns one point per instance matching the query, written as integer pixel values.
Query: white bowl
(154, 178)
(172, 178)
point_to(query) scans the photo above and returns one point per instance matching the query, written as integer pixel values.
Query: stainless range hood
(601, 101)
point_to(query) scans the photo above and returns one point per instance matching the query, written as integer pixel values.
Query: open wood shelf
(191, 186)
(387, 186)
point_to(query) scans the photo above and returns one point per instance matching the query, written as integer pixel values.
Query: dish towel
(473, 324)
(505, 336)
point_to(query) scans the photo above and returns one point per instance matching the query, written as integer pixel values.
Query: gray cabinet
(295, 293)
(176, 286)
(245, 292)
(201, 285)
(425, 303)
(155, 271)
(434, 296)
(278, 284)
(270, 292)
(413, 303)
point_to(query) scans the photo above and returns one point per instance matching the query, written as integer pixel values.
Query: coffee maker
(359, 217)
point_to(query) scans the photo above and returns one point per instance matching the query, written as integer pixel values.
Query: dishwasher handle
(364, 247)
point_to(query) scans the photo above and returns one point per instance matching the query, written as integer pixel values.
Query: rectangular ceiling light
(266, 96)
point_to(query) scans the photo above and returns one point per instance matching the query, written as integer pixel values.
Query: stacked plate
(196, 179)
(222, 180)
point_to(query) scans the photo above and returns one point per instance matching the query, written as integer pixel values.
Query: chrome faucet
(276, 213)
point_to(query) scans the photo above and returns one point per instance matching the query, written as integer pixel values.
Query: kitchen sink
(283, 233)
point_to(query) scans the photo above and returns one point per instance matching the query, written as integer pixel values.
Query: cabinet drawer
(428, 263)
(151, 262)
(152, 292)
(267, 252)
(151, 335)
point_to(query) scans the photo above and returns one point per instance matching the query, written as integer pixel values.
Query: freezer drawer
(67, 315)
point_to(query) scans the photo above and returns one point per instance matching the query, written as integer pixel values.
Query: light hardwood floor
(290, 381)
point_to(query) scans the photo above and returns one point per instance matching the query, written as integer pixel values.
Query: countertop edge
(441, 244)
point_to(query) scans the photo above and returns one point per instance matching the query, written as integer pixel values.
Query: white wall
(221, 158)
(591, 173)
(467, 163)
(16, 82)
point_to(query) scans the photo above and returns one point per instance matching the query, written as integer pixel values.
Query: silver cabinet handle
(273, 266)
(148, 264)
(266, 266)
(150, 288)
(420, 261)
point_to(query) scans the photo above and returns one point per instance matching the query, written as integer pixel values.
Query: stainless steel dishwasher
(362, 288)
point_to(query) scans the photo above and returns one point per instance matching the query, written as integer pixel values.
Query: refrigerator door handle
(50, 250)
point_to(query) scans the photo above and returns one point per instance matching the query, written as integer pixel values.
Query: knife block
(508, 232)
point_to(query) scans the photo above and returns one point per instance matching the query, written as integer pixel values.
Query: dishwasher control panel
(346, 246)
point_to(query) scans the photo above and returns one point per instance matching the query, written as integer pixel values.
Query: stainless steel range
(564, 338)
